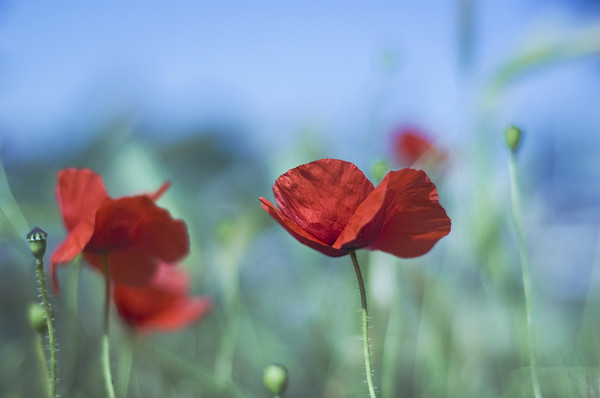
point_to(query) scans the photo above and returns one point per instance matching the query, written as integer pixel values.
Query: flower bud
(512, 135)
(275, 379)
(37, 242)
(37, 318)
(379, 169)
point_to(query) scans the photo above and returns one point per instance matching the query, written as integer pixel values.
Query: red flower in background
(133, 232)
(412, 144)
(162, 304)
(330, 206)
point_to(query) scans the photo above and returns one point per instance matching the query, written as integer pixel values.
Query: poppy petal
(162, 304)
(138, 222)
(319, 197)
(179, 314)
(80, 193)
(161, 234)
(298, 233)
(68, 250)
(163, 188)
(414, 219)
(130, 266)
(364, 225)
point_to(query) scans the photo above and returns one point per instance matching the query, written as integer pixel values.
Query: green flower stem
(41, 356)
(42, 279)
(110, 389)
(365, 326)
(525, 272)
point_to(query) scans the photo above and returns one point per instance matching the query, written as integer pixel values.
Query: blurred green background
(222, 99)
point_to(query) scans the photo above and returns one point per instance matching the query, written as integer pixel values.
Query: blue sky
(66, 68)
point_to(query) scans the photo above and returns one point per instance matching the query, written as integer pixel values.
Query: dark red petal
(364, 225)
(137, 222)
(80, 193)
(414, 219)
(302, 236)
(129, 266)
(321, 196)
(162, 304)
(162, 235)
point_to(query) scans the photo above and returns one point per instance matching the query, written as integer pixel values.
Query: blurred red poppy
(330, 206)
(411, 145)
(162, 304)
(132, 232)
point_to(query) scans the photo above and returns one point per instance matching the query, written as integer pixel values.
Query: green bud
(225, 230)
(512, 135)
(275, 379)
(379, 169)
(37, 318)
(37, 242)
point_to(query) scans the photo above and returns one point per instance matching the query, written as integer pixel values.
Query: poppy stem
(41, 355)
(51, 341)
(532, 344)
(110, 389)
(365, 326)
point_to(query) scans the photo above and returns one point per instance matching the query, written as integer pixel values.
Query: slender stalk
(52, 342)
(390, 350)
(110, 389)
(365, 326)
(41, 355)
(125, 367)
(532, 344)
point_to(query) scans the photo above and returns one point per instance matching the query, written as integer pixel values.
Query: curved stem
(41, 355)
(526, 279)
(48, 310)
(110, 389)
(365, 326)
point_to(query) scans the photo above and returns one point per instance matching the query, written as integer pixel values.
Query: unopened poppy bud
(379, 169)
(37, 318)
(512, 135)
(37, 242)
(275, 379)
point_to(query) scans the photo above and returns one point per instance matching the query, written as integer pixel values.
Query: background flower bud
(37, 318)
(379, 169)
(275, 379)
(512, 135)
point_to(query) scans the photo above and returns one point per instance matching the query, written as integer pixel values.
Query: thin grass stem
(110, 389)
(532, 343)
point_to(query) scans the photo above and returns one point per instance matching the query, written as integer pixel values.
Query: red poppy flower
(411, 144)
(133, 232)
(162, 304)
(331, 206)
